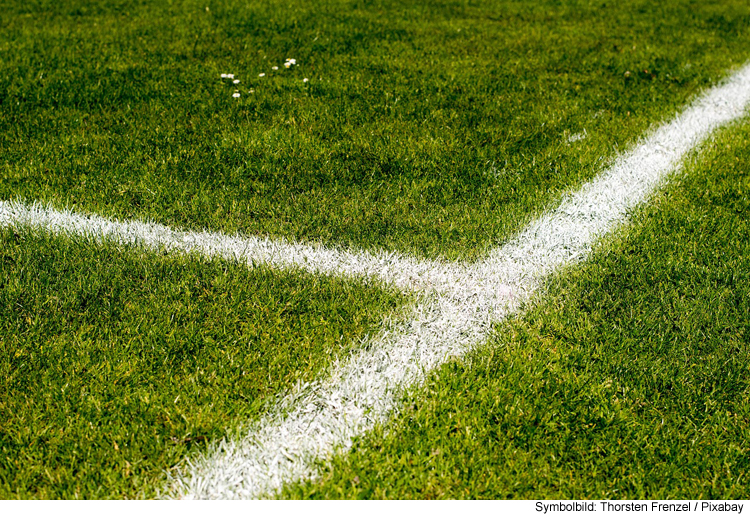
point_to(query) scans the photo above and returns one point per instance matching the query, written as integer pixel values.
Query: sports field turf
(629, 381)
(435, 129)
(115, 363)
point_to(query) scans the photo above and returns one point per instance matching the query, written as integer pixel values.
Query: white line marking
(457, 307)
(316, 420)
(391, 268)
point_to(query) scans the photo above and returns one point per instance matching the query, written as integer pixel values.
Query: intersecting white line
(401, 271)
(457, 307)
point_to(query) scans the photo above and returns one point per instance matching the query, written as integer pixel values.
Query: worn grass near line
(115, 363)
(632, 380)
(433, 128)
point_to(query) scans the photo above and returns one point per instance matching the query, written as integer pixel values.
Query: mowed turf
(115, 364)
(434, 128)
(629, 380)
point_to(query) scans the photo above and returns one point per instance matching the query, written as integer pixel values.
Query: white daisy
(236, 95)
(236, 81)
(261, 75)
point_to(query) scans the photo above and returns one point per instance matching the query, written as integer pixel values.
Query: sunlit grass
(631, 380)
(115, 364)
(433, 128)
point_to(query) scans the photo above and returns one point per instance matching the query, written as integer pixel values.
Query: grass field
(438, 130)
(629, 381)
(116, 363)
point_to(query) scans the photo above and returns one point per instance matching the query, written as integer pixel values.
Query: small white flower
(261, 75)
(236, 95)
(572, 138)
(236, 81)
(287, 64)
(305, 79)
(251, 91)
(292, 61)
(230, 76)
(274, 67)
(224, 75)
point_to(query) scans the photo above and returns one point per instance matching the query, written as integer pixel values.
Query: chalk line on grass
(404, 272)
(456, 309)
(318, 419)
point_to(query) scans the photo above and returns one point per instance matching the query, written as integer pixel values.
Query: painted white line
(457, 306)
(404, 272)
(316, 420)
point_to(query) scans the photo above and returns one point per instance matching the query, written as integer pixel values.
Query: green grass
(432, 128)
(115, 364)
(630, 380)
(436, 129)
